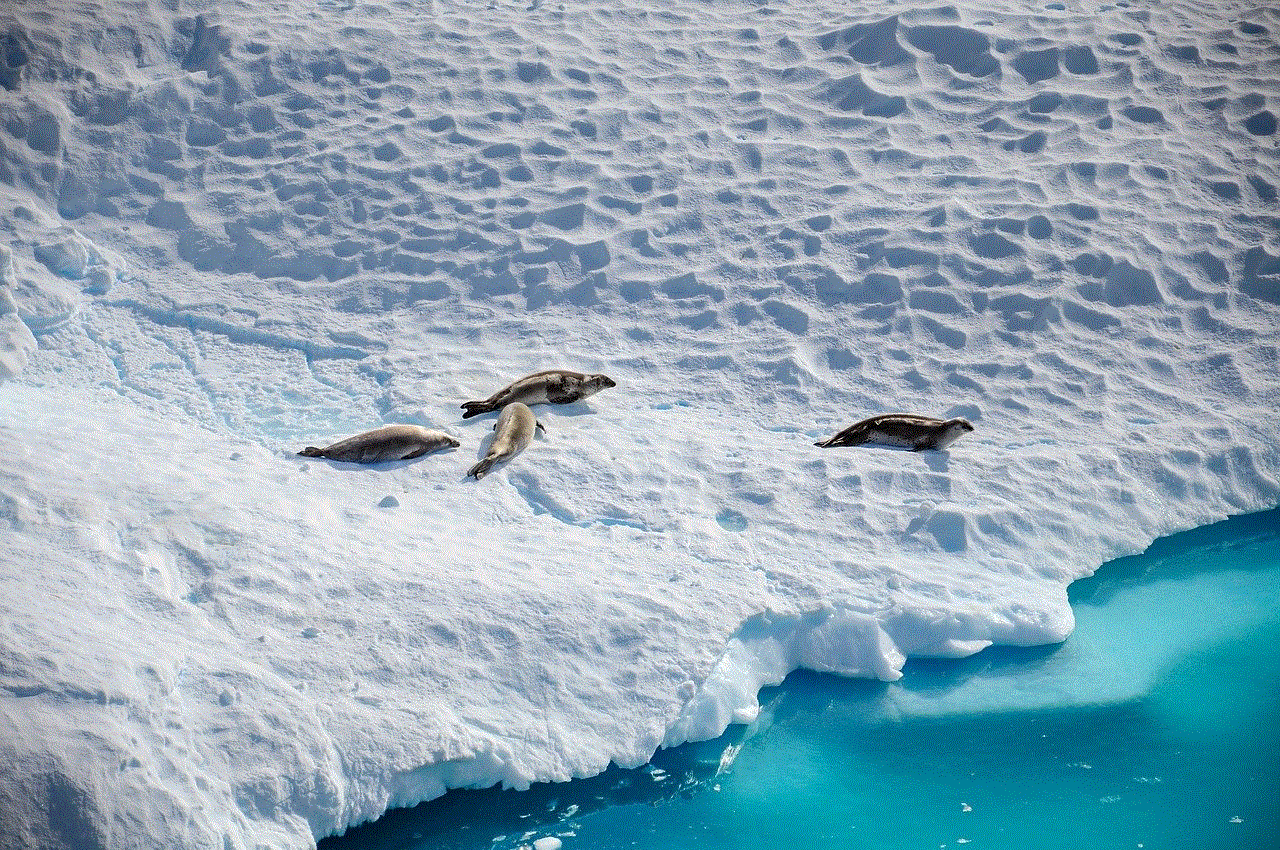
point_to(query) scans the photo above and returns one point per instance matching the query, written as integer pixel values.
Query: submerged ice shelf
(229, 236)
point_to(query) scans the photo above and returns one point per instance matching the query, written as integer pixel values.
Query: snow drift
(232, 230)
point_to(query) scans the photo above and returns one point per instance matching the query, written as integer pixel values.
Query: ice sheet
(233, 230)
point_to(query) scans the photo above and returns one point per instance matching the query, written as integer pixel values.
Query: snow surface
(234, 228)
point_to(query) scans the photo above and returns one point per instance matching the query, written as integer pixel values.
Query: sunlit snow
(235, 229)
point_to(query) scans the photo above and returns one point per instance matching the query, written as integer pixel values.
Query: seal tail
(481, 469)
(475, 408)
(311, 451)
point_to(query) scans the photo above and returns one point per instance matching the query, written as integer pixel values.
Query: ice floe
(230, 231)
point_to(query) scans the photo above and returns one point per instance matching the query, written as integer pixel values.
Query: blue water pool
(1155, 725)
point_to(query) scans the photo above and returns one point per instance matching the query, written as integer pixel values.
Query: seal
(513, 431)
(554, 386)
(901, 429)
(390, 442)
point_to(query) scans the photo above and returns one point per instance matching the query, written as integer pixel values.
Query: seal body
(390, 442)
(512, 432)
(554, 386)
(901, 429)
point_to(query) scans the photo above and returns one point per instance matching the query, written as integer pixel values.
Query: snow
(231, 230)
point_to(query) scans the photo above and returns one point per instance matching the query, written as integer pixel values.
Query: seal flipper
(475, 408)
(311, 451)
(481, 469)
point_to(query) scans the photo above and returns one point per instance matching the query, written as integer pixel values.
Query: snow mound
(16, 340)
(763, 221)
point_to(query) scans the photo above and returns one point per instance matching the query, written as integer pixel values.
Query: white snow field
(233, 229)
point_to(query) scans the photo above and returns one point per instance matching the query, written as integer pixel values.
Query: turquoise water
(1155, 725)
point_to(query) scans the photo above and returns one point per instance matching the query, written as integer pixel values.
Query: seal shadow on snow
(543, 411)
(379, 467)
(938, 460)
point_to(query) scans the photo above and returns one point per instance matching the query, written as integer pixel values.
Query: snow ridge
(233, 229)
